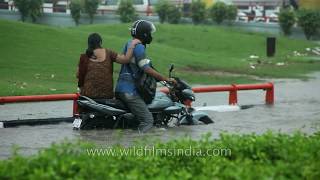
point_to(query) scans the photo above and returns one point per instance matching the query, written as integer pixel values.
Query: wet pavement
(297, 107)
(36, 110)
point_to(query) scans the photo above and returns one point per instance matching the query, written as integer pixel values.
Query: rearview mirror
(170, 70)
(171, 67)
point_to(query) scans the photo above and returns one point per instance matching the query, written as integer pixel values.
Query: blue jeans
(139, 109)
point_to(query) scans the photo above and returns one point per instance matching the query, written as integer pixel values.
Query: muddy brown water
(297, 107)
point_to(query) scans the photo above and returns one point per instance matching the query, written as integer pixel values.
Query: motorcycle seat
(116, 103)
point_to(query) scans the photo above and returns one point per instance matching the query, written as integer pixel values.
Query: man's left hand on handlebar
(171, 81)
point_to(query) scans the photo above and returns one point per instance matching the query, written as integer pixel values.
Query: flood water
(297, 107)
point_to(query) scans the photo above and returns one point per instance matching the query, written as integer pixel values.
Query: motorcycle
(172, 107)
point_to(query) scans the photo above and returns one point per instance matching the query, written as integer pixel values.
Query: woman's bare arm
(124, 59)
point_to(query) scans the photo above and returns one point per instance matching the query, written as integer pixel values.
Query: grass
(267, 156)
(37, 59)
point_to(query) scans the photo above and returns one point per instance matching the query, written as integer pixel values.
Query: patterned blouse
(97, 76)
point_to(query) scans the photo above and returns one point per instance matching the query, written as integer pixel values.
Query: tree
(309, 21)
(162, 10)
(218, 12)
(35, 9)
(23, 7)
(126, 11)
(231, 14)
(286, 20)
(75, 8)
(198, 11)
(90, 7)
(28, 8)
(174, 14)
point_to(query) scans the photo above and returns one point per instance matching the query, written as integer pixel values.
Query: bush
(198, 11)
(30, 8)
(267, 156)
(286, 20)
(90, 7)
(218, 12)
(162, 10)
(126, 11)
(309, 21)
(231, 14)
(35, 9)
(174, 14)
(23, 7)
(75, 8)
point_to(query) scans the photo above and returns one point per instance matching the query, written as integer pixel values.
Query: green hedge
(267, 156)
(198, 11)
(30, 8)
(174, 14)
(309, 21)
(168, 12)
(90, 7)
(286, 20)
(218, 12)
(127, 12)
(162, 10)
(75, 8)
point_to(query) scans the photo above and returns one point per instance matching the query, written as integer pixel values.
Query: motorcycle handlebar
(168, 84)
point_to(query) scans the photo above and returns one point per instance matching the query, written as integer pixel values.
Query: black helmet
(142, 30)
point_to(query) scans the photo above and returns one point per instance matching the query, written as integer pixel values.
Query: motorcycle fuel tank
(160, 101)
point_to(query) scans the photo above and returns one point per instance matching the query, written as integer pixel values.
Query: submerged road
(297, 107)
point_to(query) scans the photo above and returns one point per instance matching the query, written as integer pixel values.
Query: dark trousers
(138, 108)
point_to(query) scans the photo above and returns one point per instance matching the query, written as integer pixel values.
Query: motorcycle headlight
(188, 94)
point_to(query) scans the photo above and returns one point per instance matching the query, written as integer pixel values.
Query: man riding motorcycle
(126, 89)
(132, 110)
